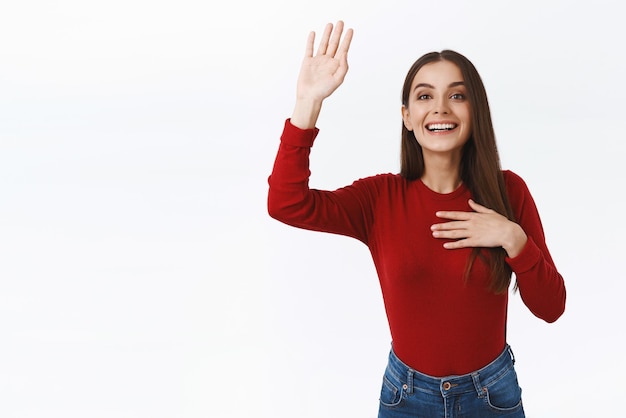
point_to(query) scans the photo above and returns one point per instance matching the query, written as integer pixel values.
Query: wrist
(516, 241)
(305, 113)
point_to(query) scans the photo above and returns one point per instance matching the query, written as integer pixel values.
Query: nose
(441, 107)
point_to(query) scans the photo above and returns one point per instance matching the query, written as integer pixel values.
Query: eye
(423, 97)
(458, 96)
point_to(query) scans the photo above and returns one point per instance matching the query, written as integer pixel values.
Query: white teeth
(441, 126)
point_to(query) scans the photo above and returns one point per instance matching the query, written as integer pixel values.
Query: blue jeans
(492, 391)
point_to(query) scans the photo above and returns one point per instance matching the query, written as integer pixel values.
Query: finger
(449, 226)
(333, 45)
(345, 45)
(454, 215)
(321, 49)
(451, 234)
(478, 207)
(308, 53)
(454, 245)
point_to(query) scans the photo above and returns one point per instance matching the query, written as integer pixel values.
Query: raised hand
(482, 228)
(321, 73)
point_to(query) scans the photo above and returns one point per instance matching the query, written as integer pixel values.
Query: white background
(140, 275)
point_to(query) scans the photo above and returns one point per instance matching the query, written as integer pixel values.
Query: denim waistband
(451, 385)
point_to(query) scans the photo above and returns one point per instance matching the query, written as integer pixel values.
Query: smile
(440, 127)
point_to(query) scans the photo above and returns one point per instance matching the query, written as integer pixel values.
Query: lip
(441, 122)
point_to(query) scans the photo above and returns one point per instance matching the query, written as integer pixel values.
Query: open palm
(322, 73)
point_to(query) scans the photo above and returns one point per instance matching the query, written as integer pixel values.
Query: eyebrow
(430, 86)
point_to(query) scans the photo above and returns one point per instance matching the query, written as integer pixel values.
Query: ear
(406, 119)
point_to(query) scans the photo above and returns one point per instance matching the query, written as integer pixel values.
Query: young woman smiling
(447, 231)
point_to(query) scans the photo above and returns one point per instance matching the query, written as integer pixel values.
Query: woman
(445, 234)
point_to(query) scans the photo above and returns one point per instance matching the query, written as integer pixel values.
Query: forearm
(306, 113)
(540, 284)
(291, 201)
(289, 178)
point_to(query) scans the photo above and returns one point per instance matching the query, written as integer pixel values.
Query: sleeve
(541, 286)
(346, 211)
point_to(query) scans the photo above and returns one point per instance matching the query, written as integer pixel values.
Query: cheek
(470, 126)
(467, 111)
(466, 116)
(418, 114)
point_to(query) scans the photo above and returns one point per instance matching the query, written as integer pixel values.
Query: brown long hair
(480, 163)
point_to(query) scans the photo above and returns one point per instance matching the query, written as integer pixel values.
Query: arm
(541, 286)
(290, 200)
(346, 211)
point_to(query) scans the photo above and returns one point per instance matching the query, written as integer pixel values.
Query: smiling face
(438, 110)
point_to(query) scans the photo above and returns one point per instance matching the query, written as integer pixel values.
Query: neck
(442, 176)
(441, 185)
(442, 172)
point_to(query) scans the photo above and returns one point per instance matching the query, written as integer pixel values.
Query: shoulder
(384, 180)
(379, 185)
(519, 195)
(515, 184)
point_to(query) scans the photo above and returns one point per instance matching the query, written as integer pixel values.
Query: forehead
(439, 74)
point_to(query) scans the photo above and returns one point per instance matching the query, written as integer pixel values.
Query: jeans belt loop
(477, 385)
(409, 381)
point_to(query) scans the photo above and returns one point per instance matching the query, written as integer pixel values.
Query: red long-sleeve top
(441, 324)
